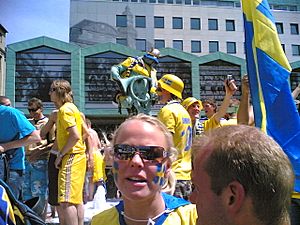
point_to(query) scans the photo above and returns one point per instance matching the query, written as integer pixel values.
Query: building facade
(199, 27)
(200, 41)
(3, 32)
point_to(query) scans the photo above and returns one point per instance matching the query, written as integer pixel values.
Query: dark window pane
(140, 21)
(159, 43)
(177, 23)
(213, 46)
(141, 44)
(195, 24)
(212, 24)
(159, 22)
(121, 21)
(230, 25)
(231, 47)
(195, 46)
(294, 28)
(178, 44)
(279, 27)
(36, 69)
(196, 2)
(296, 50)
(121, 41)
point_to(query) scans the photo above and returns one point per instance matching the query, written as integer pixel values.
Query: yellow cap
(172, 84)
(186, 103)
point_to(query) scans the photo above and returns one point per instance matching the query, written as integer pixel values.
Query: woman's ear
(168, 165)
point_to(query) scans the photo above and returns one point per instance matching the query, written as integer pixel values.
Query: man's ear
(234, 196)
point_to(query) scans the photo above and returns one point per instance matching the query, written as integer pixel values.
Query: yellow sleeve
(167, 118)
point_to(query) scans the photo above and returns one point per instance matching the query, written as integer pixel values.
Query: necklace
(150, 221)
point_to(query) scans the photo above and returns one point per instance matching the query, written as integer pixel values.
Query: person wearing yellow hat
(178, 121)
(194, 107)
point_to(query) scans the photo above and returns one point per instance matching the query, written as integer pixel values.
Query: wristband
(61, 155)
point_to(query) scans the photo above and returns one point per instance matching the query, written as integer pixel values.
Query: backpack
(22, 213)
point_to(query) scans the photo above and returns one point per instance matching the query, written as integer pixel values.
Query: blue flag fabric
(268, 71)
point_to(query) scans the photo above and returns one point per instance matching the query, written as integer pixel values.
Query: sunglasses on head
(33, 110)
(126, 152)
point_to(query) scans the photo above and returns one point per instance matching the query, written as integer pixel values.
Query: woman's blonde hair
(156, 123)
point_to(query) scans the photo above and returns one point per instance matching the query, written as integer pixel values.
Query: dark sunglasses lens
(125, 152)
(32, 110)
(151, 152)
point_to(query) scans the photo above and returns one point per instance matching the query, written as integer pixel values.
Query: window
(188, 2)
(230, 25)
(178, 44)
(161, 1)
(159, 22)
(195, 46)
(140, 21)
(159, 43)
(152, 1)
(143, 0)
(294, 28)
(231, 47)
(170, 1)
(212, 24)
(121, 21)
(179, 2)
(296, 50)
(121, 41)
(196, 2)
(51, 63)
(195, 24)
(177, 23)
(213, 46)
(140, 44)
(283, 47)
(279, 27)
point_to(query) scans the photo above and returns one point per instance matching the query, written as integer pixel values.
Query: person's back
(15, 132)
(175, 117)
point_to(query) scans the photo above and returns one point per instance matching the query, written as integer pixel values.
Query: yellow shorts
(71, 178)
(99, 167)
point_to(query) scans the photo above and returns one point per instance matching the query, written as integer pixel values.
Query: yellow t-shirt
(183, 215)
(211, 123)
(178, 121)
(69, 116)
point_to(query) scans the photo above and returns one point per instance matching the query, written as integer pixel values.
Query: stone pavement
(89, 211)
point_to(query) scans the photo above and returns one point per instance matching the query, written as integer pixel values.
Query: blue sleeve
(21, 124)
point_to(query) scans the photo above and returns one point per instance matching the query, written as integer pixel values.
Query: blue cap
(155, 59)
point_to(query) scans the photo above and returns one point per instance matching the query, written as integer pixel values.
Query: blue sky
(26, 19)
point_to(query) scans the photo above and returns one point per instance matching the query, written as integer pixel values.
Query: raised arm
(226, 102)
(296, 91)
(245, 110)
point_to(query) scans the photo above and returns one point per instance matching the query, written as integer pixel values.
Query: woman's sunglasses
(127, 152)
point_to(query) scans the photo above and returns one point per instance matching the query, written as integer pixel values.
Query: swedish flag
(268, 71)
(6, 211)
